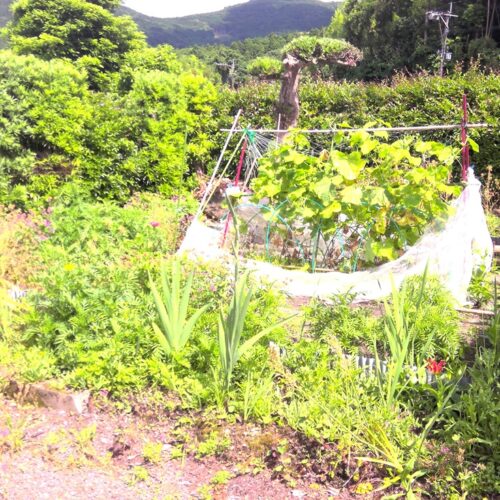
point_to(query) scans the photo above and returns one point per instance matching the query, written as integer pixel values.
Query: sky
(177, 8)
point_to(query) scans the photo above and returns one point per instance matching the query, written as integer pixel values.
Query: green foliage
(399, 331)
(480, 289)
(152, 452)
(407, 101)
(172, 306)
(389, 191)
(435, 323)
(231, 330)
(474, 420)
(43, 110)
(77, 30)
(311, 49)
(340, 324)
(148, 136)
(241, 52)
(395, 35)
(265, 67)
(215, 444)
(92, 310)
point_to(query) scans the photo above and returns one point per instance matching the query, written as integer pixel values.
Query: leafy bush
(313, 49)
(92, 309)
(340, 324)
(265, 67)
(383, 194)
(76, 30)
(148, 134)
(43, 110)
(436, 324)
(407, 101)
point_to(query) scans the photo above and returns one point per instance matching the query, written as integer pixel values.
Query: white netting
(452, 252)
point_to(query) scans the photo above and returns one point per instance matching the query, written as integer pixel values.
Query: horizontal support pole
(377, 129)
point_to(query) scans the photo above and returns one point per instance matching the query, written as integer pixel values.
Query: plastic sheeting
(451, 251)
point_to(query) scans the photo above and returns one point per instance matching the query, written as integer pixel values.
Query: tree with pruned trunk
(303, 52)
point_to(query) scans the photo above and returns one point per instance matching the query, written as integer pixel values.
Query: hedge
(406, 101)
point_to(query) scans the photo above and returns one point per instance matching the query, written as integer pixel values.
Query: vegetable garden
(110, 163)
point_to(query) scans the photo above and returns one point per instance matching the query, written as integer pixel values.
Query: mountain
(252, 19)
(238, 22)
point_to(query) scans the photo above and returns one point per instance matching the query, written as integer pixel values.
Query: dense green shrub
(76, 30)
(147, 135)
(44, 111)
(355, 330)
(419, 100)
(265, 67)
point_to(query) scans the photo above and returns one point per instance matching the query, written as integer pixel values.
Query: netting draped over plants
(282, 236)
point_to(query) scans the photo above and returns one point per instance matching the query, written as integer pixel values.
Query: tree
(77, 30)
(396, 34)
(306, 51)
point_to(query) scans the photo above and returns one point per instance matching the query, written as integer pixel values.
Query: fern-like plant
(172, 306)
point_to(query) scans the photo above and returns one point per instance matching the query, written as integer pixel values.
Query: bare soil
(49, 454)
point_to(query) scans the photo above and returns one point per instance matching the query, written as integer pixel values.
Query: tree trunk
(288, 105)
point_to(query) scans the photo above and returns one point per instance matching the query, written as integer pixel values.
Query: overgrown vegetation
(374, 194)
(100, 135)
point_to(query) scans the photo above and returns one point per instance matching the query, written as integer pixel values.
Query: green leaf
(385, 249)
(331, 209)
(352, 195)
(376, 196)
(473, 144)
(349, 166)
(322, 189)
(368, 146)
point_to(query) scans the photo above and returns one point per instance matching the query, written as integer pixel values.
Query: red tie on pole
(465, 144)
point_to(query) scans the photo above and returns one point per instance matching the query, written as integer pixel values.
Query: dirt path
(46, 454)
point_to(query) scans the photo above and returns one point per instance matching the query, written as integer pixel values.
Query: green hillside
(252, 19)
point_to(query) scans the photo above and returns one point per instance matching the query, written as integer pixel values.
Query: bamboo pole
(377, 129)
(231, 131)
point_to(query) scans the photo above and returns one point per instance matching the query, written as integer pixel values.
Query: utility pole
(444, 19)
(231, 71)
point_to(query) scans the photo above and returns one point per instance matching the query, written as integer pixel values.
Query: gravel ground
(48, 454)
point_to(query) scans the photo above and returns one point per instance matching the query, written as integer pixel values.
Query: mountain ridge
(237, 22)
(252, 19)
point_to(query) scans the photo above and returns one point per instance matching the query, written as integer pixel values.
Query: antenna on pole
(444, 19)
(231, 71)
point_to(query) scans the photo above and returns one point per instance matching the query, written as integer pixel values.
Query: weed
(221, 477)
(177, 452)
(139, 474)
(214, 445)
(152, 452)
(480, 289)
(205, 492)
(172, 308)
(12, 434)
